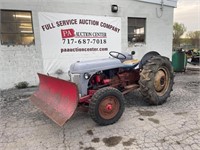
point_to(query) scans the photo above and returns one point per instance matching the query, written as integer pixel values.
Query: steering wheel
(117, 55)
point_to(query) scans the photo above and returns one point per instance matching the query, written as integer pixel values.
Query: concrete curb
(193, 68)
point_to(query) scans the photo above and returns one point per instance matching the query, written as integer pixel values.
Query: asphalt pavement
(175, 125)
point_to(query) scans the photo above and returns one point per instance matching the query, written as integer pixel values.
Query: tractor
(100, 85)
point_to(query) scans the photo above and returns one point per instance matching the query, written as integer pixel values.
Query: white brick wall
(19, 63)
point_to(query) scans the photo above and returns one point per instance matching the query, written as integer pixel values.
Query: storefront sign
(67, 38)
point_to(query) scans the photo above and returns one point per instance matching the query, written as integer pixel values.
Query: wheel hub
(161, 81)
(109, 107)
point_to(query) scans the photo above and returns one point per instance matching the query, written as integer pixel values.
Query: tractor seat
(131, 62)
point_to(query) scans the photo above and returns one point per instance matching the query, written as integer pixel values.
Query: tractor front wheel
(106, 106)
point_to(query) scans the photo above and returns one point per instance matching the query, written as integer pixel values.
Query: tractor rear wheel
(156, 80)
(106, 106)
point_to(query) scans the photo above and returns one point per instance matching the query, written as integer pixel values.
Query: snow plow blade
(57, 98)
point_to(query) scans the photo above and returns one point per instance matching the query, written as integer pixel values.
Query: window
(136, 30)
(16, 27)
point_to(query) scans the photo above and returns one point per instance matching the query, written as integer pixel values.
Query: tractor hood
(95, 65)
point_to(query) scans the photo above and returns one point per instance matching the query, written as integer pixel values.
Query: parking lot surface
(175, 125)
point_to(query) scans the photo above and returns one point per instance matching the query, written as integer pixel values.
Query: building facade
(145, 25)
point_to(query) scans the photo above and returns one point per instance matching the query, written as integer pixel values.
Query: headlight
(86, 76)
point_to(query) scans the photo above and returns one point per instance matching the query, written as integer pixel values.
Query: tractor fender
(146, 57)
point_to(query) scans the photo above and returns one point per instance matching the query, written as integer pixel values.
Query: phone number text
(84, 41)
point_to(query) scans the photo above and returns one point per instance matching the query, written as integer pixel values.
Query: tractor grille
(75, 78)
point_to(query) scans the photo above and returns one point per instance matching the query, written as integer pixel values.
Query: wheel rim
(161, 82)
(109, 107)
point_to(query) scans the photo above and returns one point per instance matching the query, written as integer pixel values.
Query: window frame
(145, 29)
(19, 34)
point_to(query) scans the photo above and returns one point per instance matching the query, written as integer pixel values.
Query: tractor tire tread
(97, 97)
(147, 79)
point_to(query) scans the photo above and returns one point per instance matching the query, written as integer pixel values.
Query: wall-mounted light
(114, 8)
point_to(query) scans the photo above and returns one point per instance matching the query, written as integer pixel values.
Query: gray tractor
(100, 86)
